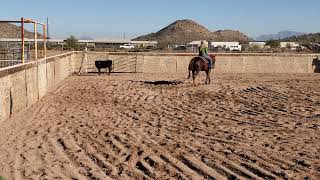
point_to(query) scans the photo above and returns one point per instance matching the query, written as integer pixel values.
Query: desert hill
(12, 31)
(305, 39)
(185, 31)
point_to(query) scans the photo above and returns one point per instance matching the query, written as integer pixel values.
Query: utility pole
(22, 40)
(48, 35)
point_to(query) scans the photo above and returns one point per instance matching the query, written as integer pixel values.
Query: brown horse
(198, 64)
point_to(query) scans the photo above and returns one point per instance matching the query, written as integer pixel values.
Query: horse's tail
(191, 66)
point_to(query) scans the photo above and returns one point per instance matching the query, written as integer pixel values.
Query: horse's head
(213, 56)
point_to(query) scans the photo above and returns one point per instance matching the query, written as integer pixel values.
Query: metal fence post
(22, 40)
(135, 68)
(86, 58)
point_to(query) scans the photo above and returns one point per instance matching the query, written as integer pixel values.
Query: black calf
(103, 64)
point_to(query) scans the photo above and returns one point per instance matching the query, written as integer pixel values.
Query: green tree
(72, 42)
(273, 43)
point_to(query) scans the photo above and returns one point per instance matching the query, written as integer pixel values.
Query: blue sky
(105, 19)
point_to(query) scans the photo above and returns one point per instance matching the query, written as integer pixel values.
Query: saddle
(204, 59)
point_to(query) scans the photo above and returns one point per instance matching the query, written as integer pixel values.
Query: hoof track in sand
(146, 126)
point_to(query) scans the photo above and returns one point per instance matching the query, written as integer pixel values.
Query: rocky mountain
(305, 39)
(12, 31)
(230, 35)
(185, 31)
(279, 35)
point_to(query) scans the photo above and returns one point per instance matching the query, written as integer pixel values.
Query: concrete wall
(23, 85)
(225, 63)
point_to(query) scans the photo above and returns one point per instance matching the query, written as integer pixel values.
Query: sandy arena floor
(122, 127)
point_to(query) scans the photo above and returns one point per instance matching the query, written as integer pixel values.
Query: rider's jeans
(209, 59)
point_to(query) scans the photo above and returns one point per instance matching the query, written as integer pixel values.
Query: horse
(198, 64)
(316, 63)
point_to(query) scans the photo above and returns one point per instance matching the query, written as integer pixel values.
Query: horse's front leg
(207, 76)
(194, 79)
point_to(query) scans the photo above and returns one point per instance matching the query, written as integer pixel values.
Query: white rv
(232, 46)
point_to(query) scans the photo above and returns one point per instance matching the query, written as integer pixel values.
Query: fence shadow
(316, 63)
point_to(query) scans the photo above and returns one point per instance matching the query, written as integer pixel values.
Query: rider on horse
(203, 52)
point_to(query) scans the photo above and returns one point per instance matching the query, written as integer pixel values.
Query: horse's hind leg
(194, 75)
(189, 75)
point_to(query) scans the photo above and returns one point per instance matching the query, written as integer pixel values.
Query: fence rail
(125, 64)
(122, 64)
(13, 54)
(6, 63)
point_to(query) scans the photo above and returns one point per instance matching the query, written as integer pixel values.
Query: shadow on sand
(163, 82)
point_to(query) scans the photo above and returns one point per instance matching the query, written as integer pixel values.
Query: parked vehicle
(127, 46)
(180, 48)
(235, 48)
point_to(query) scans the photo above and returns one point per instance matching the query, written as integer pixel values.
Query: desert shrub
(273, 43)
(72, 42)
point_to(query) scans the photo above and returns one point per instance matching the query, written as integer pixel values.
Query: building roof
(196, 42)
(144, 42)
(80, 40)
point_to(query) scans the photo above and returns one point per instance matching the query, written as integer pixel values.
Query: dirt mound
(119, 127)
(185, 31)
(12, 31)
